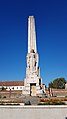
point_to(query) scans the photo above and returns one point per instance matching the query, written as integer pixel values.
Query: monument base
(32, 88)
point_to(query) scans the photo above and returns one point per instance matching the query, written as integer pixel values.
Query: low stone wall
(33, 112)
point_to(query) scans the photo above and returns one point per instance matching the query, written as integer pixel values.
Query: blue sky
(51, 31)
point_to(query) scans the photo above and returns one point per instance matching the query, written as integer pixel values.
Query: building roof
(12, 83)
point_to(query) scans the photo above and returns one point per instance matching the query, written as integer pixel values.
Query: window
(13, 88)
(20, 87)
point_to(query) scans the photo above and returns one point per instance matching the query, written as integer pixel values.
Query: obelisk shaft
(31, 35)
(33, 81)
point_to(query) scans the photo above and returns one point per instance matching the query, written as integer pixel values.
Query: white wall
(13, 87)
(35, 112)
(66, 86)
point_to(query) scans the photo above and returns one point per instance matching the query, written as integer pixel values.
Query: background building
(11, 85)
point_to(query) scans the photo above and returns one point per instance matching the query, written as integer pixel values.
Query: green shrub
(4, 97)
(12, 104)
(52, 103)
(1, 103)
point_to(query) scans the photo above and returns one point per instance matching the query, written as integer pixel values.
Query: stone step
(31, 100)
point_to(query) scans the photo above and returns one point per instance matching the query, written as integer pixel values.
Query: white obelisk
(32, 82)
(31, 35)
